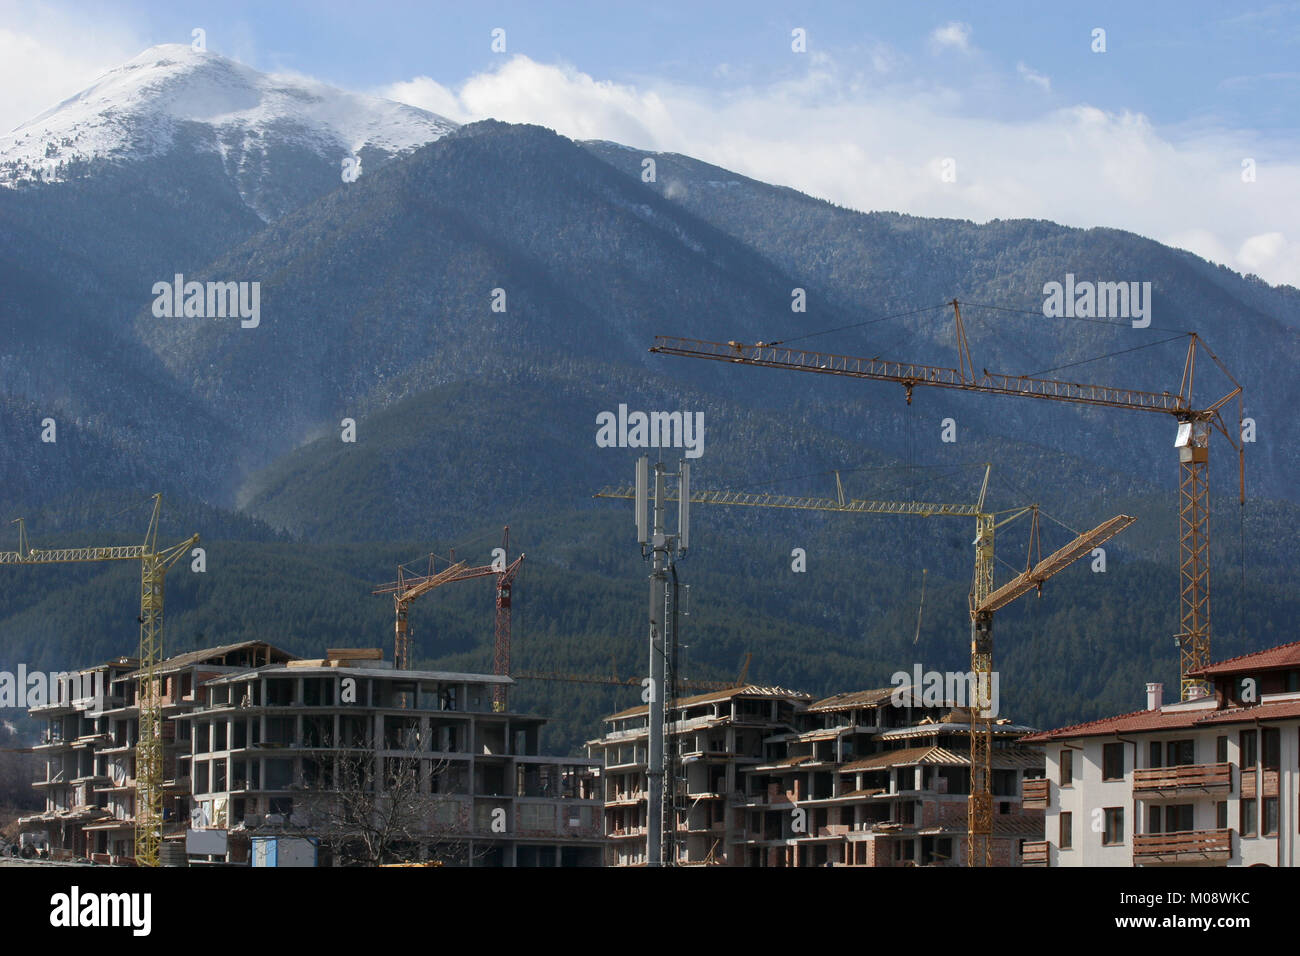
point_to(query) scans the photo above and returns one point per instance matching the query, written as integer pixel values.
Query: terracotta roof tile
(1138, 720)
(1272, 658)
(1278, 710)
(1148, 720)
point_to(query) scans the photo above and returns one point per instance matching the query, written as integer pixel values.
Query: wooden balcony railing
(1185, 847)
(1034, 853)
(1195, 776)
(1035, 793)
(1269, 783)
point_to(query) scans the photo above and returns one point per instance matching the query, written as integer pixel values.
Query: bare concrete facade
(770, 777)
(90, 751)
(250, 733)
(270, 745)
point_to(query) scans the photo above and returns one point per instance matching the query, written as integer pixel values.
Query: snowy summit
(139, 109)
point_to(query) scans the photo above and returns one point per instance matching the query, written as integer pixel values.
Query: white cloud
(952, 35)
(873, 145)
(1033, 76)
(47, 56)
(1270, 253)
(429, 94)
(1202, 242)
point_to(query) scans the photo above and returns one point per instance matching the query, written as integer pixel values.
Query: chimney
(1155, 696)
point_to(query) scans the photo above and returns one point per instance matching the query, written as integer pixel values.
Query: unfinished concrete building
(863, 781)
(312, 747)
(90, 749)
(713, 736)
(80, 746)
(769, 777)
(254, 740)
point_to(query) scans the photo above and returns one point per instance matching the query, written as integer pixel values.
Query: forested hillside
(438, 337)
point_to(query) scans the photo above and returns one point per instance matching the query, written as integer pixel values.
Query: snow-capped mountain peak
(137, 110)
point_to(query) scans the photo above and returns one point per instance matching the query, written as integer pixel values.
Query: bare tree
(370, 814)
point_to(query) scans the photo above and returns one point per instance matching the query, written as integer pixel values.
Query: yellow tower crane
(1196, 420)
(148, 750)
(984, 600)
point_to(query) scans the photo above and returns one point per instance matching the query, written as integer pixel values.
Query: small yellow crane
(148, 750)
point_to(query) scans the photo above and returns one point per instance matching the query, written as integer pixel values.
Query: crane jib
(65, 555)
(913, 374)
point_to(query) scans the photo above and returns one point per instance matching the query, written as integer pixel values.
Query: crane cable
(1038, 313)
(858, 325)
(920, 608)
(1098, 358)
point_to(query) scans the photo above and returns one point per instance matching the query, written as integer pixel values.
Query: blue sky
(1150, 135)
(1176, 62)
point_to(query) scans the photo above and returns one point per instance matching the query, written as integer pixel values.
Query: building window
(1181, 753)
(1155, 754)
(1221, 749)
(1178, 818)
(1066, 838)
(1249, 812)
(1114, 831)
(1270, 816)
(1249, 755)
(1112, 762)
(1153, 819)
(1004, 783)
(1271, 748)
(1221, 814)
(1067, 767)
